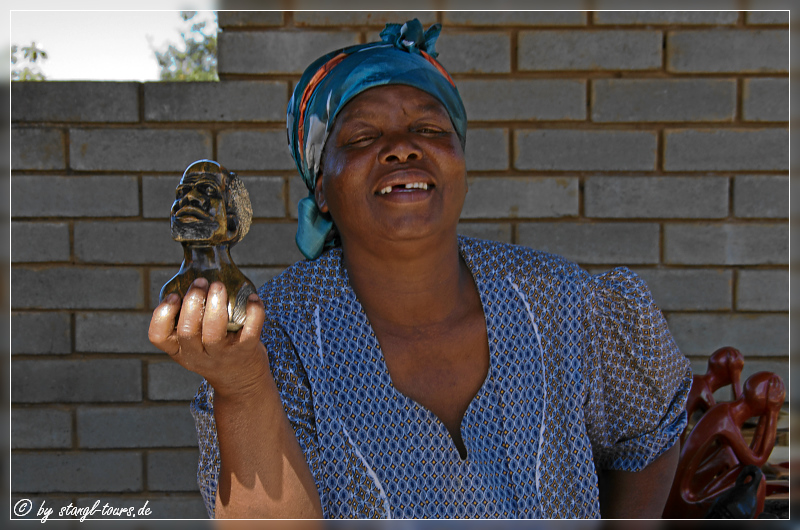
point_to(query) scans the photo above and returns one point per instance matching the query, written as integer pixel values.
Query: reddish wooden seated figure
(716, 452)
(724, 368)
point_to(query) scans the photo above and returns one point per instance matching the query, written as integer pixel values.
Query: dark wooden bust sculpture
(211, 213)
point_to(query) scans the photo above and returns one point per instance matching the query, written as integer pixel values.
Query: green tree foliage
(196, 59)
(24, 61)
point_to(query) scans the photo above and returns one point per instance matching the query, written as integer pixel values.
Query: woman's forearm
(263, 472)
(638, 495)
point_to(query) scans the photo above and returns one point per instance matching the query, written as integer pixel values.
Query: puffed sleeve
(295, 392)
(637, 379)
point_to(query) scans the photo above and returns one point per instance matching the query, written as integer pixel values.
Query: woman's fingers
(215, 320)
(254, 320)
(162, 325)
(190, 321)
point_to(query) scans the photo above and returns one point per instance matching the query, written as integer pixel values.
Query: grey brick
(728, 50)
(571, 150)
(625, 100)
(39, 242)
(71, 101)
(690, 289)
(254, 150)
(240, 101)
(762, 290)
(653, 197)
(723, 150)
(40, 428)
(113, 333)
(486, 150)
(266, 196)
(76, 472)
(137, 149)
(62, 381)
(503, 197)
(618, 243)
(76, 288)
(76, 196)
(126, 242)
(163, 506)
(169, 381)
(361, 18)
(242, 52)
(726, 244)
(754, 335)
(666, 17)
(230, 19)
(46, 333)
(766, 99)
(514, 18)
(525, 99)
(271, 244)
(761, 196)
(298, 191)
(115, 427)
(158, 194)
(767, 17)
(491, 231)
(158, 277)
(172, 470)
(589, 50)
(475, 52)
(37, 148)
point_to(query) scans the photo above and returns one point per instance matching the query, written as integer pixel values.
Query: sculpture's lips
(191, 214)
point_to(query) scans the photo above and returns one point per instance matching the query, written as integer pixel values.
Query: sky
(99, 45)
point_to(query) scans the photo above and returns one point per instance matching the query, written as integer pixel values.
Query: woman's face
(393, 168)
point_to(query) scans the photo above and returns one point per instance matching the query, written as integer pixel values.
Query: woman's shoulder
(502, 260)
(306, 282)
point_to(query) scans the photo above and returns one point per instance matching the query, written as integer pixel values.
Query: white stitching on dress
(544, 375)
(387, 509)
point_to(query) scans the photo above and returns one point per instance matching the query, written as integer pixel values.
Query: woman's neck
(419, 284)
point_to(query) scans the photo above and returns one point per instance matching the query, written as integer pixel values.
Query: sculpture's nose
(193, 198)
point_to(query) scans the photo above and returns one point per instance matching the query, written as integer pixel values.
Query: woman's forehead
(404, 99)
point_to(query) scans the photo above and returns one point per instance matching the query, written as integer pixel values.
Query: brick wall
(654, 140)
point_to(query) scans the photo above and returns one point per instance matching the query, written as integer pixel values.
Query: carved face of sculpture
(199, 212)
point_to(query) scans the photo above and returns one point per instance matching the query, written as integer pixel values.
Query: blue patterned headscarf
(404, 56)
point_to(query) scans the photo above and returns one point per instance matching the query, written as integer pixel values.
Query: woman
(404, 371)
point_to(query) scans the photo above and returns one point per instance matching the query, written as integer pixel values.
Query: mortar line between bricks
(739, 117)
(514, 44)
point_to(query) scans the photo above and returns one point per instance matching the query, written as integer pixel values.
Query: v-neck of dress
(384, 370)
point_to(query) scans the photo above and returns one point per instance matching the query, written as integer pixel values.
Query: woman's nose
(400, 148)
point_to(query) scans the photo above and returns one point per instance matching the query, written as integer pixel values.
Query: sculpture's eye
(208, 190)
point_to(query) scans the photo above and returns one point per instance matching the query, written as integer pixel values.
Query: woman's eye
(360, 140)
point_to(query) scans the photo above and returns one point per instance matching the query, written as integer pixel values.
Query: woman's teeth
(410, 185)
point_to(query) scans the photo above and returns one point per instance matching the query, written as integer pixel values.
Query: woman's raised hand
(233, 363)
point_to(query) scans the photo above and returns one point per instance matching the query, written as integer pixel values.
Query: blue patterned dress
(583, 375)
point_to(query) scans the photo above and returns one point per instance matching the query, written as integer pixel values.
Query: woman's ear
(319, 196)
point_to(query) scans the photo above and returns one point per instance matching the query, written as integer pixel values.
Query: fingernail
(172, 298)
(201, 283)
(253, 298)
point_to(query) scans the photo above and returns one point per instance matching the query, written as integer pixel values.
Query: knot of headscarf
(405, 56)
